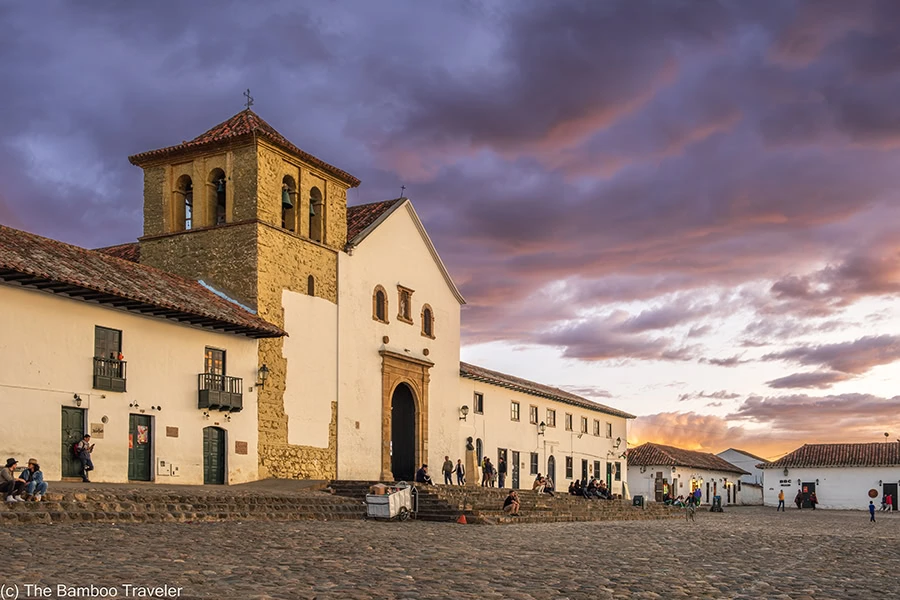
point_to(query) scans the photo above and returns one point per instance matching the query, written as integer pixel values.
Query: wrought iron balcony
(109, 374)
(220, 392)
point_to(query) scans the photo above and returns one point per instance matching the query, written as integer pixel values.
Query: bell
(220, 186)
(312, 209)
(286, 201)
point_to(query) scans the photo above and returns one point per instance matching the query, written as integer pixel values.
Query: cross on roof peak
(249, 99)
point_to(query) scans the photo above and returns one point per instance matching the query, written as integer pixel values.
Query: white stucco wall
(497, 430)
(395, 253)
(311, 352)
(46, 351)
(836, 487)
(641, 481)
(745, 462)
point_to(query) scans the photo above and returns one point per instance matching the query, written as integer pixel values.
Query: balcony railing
(109, 374)
(220, 392)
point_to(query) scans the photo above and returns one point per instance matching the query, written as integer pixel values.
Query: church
(280, 334)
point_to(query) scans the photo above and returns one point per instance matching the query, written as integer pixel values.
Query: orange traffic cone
(462, 520)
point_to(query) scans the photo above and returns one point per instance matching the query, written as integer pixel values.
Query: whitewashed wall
(394, 253)
(751, 494)
(837, 487)
(311, 352)
(745, 462)
(497, 430)
(641, 481)
(46, 352)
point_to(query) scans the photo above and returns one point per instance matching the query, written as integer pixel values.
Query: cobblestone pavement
(742, 553)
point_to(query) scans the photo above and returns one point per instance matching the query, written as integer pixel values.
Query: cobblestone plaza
(743, 553)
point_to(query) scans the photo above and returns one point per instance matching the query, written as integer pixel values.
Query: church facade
(363, 378)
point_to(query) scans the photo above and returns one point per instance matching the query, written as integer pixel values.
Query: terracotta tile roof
(131, 251)
(45, 264)
(245, 124)
(759, 458)
(535, 389)
(361, 216)
(874, 454)
(651, 455)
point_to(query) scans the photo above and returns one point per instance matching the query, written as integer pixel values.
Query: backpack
(76, 450)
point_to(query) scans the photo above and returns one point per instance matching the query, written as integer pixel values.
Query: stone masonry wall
(224, 257)
(154, 205)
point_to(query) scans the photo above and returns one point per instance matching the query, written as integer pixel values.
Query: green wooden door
(213, 456)
(72, 433)
(140, 435)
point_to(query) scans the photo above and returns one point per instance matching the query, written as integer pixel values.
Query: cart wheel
(404, 514)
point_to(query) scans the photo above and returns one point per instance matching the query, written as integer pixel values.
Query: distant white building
(747, 462)
(843, 476)
(654, 469)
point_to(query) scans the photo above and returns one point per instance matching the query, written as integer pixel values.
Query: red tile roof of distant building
(41, 263)
(872, 454)
(362, 216)
(245, 124)
(130, 251)
(535, 389)
(651, 455)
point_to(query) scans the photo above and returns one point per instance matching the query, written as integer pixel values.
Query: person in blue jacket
(871, 511)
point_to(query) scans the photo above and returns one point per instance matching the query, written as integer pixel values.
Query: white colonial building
(541, 429)
(655, 469)
(251, 263)
(752, 483)
(843, 476)
(159, 370)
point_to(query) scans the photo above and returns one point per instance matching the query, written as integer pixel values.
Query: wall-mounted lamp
(205, 414)
(77, 399)
(156, 408)
(262, 375)
(817, 482)
(134, 404)
(798, 482)
(542, 428)
(227, 418)
(785, 472)
(880, 483)
(618, 443)
(643, 469)
(464, 411)
(674, 469)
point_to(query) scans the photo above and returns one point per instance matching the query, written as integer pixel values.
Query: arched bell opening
(183, 203)
(316, 214)
(217, 203)
(288, 203)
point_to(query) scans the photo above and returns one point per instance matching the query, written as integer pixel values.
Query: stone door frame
(399, 368)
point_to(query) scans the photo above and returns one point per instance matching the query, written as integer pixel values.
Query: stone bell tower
(246, 211)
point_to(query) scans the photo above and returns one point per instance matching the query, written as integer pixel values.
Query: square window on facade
(569, 422)
(551, 417)
(479, 403)
(514, 411)
(534, 463)
(618, 471)
(532, 414)
(569, 462)
(583, 424)
(609, 430)
(596, 427)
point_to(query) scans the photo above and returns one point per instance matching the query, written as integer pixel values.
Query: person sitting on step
(511, 504)
(548, 485)
(576, 487)
(422, 476)
(10, 485)
(36, 487)
(538, 484)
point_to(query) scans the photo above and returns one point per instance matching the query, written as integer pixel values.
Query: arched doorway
(403, 434)
(551, 469)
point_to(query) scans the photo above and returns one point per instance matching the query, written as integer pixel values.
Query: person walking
(813, 500)
(780, 501)
(447, 468)
(460, 472)
(798, 499)
(871, 511)
(501, 471)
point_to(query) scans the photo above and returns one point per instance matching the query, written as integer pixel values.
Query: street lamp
(541, 428)
(262, 375)
(464, 411)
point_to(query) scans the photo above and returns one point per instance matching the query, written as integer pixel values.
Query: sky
(685, 210)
